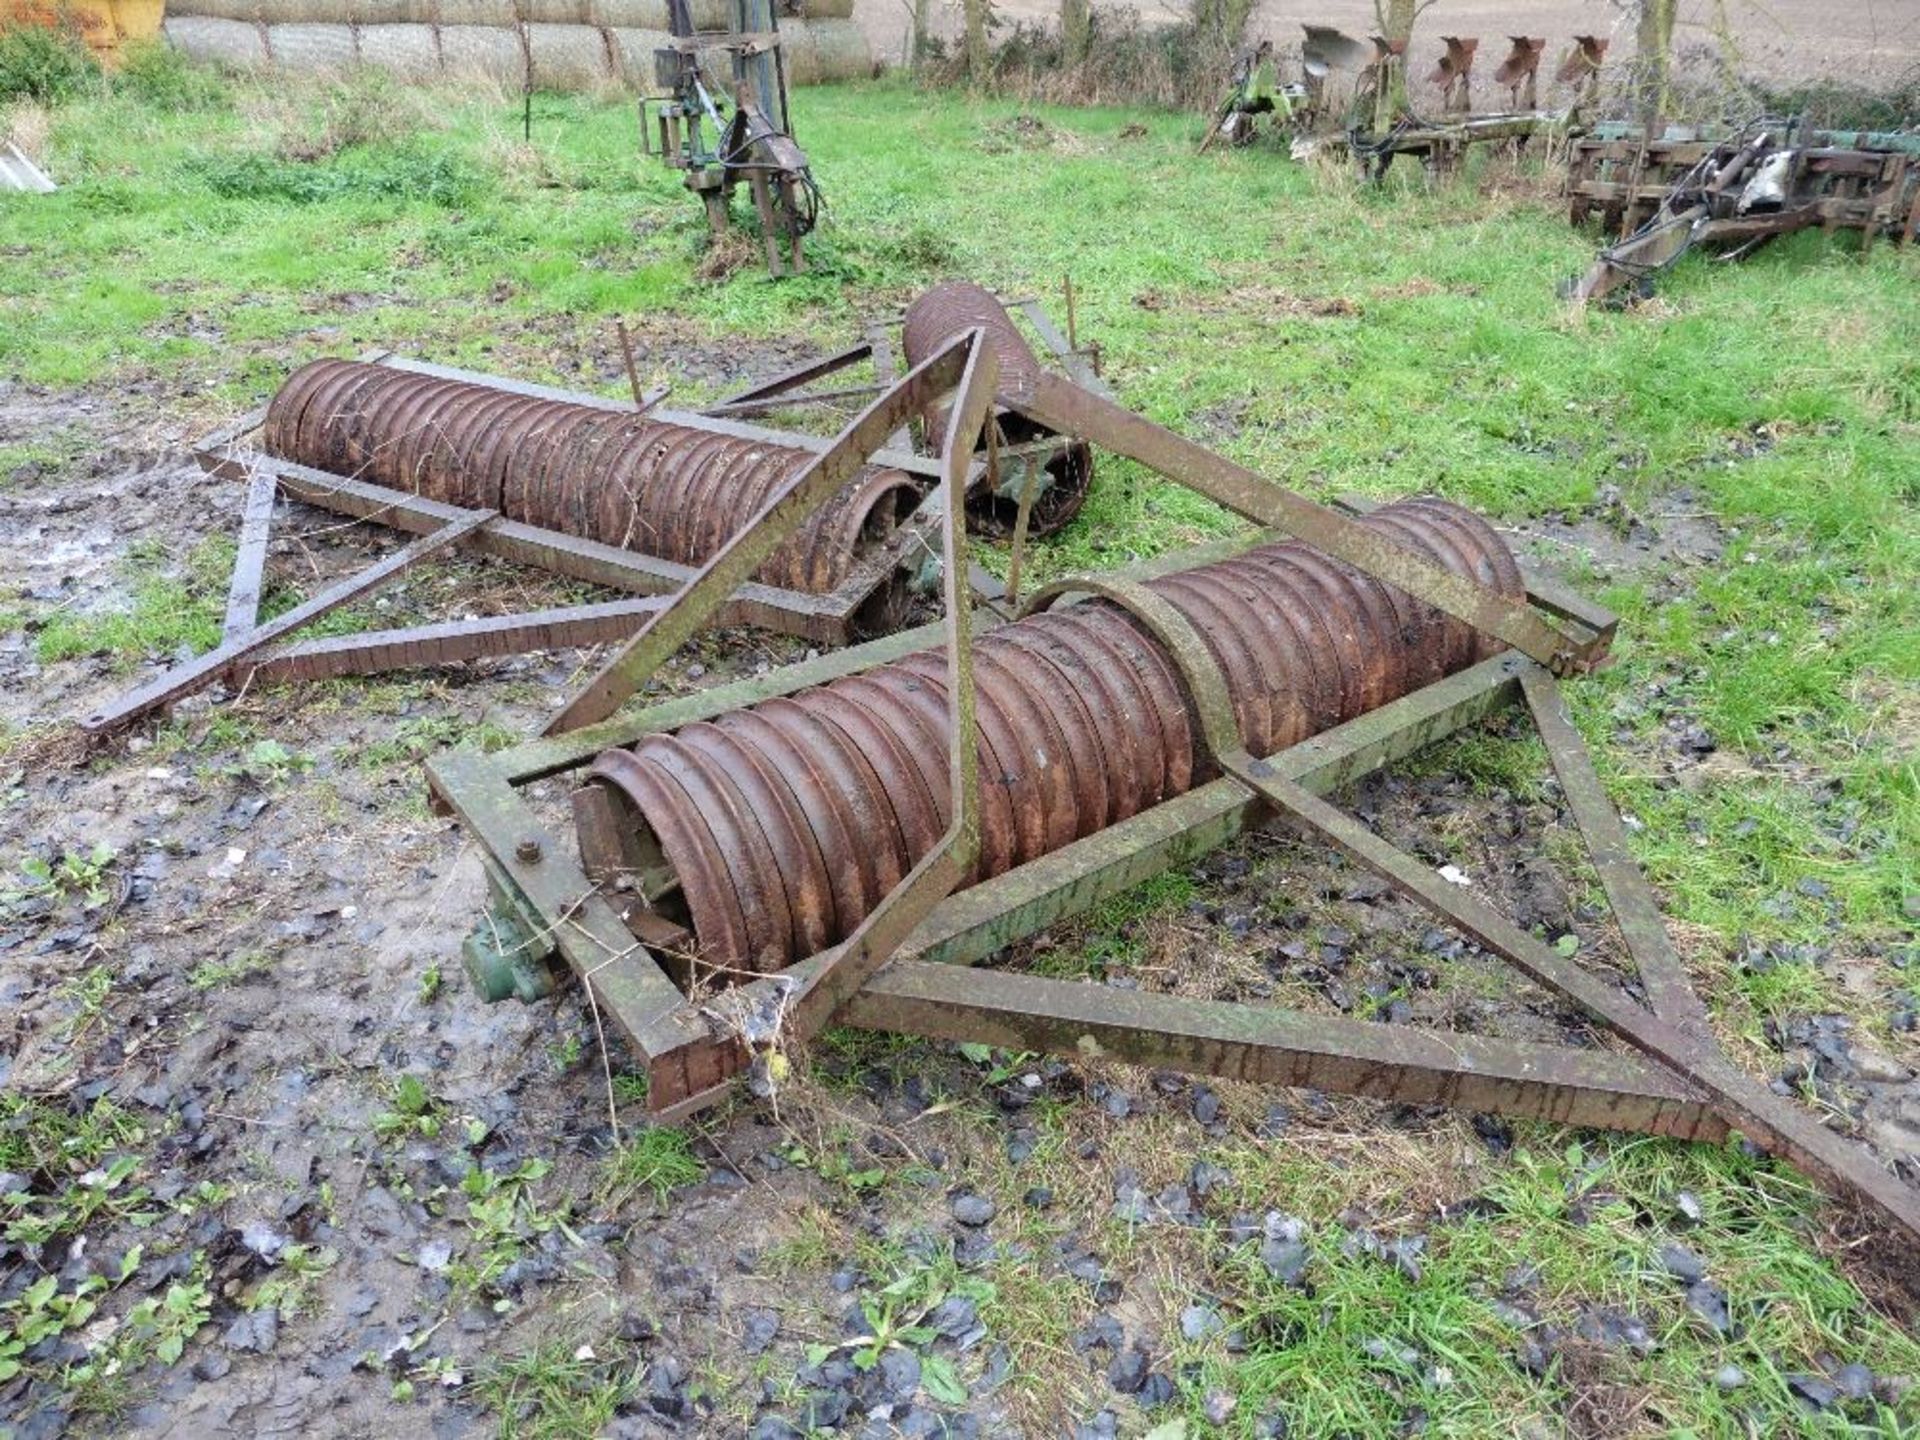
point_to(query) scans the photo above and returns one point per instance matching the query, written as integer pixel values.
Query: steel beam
(1268, 1046)
(204, 669)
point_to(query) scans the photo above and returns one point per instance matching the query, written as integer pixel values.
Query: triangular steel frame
(1675, 1081)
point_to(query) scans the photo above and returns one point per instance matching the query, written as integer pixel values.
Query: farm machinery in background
(1350, 96)
(1732, 193)
(720, 130)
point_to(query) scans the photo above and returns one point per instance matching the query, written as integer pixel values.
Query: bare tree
(1395, 21)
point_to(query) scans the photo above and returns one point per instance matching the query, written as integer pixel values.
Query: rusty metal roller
(783, 825)
(950, 309)
(619, 478)
(937, 318)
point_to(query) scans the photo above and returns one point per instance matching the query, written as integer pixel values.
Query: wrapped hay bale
(248, 10)
(554, 12)
(478, 12)
(826, 9)
(628, 14)
(227, 42)
(409, 51)
(312, 47)
(802, 58)
(488, 50)
(840, 51)
(633, 55)
(568, 57)
(710, 14)
(383, 12)
(304, 12)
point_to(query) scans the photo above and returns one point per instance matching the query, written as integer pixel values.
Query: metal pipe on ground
(771, 832)
(619, 478)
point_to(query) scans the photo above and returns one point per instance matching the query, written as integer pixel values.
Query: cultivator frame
(1662, 197)
(906, 969)
(251, 652)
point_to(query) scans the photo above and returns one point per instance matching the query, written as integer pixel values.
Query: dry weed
(28, 126)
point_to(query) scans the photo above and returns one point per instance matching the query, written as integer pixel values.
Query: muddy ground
(280, 897)
(1874, 43)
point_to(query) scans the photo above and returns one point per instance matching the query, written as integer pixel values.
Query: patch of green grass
(1361, 1345)
(1107, 937)
(212, 974)
(555, 1392)
(656, 1161)
(174, 607)
(57, 1138)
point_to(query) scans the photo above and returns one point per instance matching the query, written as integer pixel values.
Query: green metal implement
(909, 970)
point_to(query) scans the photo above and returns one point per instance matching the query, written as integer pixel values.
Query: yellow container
(105, 25)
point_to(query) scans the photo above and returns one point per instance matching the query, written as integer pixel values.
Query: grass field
(209, 235)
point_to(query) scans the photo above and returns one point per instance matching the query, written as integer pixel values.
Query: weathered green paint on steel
(1634, 908)
(645, 1002)
(1763, 1117)
(1284, 1047)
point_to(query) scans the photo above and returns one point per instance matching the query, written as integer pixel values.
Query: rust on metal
(1082, 720)
(1031, 456)
(1733, 193)
(1520, 71)
(625, 480)
(1454, 72)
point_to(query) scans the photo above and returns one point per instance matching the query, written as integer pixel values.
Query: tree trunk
(922, 31)
(978, 55)
(1396, 24)
(1076, 30)
(1651, 64)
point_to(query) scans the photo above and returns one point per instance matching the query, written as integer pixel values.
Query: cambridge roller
(770, 832)
(612, 476)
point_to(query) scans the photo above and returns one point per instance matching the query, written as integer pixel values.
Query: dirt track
(1867, 42)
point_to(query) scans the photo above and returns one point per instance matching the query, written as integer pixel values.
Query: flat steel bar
(880, 344)
(250, 557)
(842, 972)
(1073, 410)
(1395, 1063)
(749, 546)
(1662, 975)
(797, 376)
(1074, 360)
(201, 671)
(789, 401)
(824, 618)
(644, 1002)
(453, 641)
(1766, 1119)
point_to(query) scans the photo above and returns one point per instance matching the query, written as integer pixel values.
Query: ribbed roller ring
(621, 479)
(786, 823)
